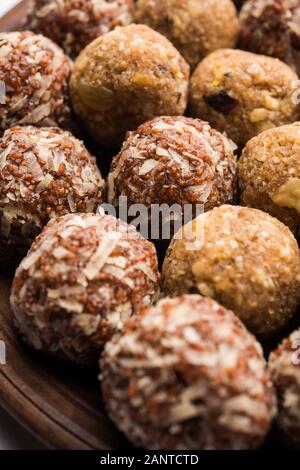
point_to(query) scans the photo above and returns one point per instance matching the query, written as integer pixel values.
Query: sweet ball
(272, 28)
(195, 28)
(44, 173)
(269, 174)
(175, 160)
(284, 367)
(73, 24)
(36, 74)
(243, 258)
(124, 78)
(83, 277)
(187, 375)
(243, 93)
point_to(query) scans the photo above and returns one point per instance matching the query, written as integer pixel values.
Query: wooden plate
(60, 404)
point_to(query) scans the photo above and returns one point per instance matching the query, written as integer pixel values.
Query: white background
(12, 435)
(6, 5)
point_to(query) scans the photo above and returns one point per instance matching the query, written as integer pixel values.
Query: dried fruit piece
(221, 102)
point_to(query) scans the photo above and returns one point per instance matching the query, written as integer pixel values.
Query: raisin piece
(221, 102)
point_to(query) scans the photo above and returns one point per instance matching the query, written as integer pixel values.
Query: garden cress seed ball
(83, 277)
(187, 375)
(272, 28)
(73, 24)
(124, 78)
(269, 174)
(44, 173)
(243, 258)
(285, 372)
(195, 28)
(174, 159)
(243, 93)
(36, 74)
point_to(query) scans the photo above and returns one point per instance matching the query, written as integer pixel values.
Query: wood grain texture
(59, 403)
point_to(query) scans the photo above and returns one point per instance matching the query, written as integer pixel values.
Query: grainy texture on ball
(188, 375)
(196, 28)
(243, 258)
(36, 73)
(284, 365)
(174, 160)
(269, 174)
(44, 173)
(126, 77)
(243, 93)
(272, 28)
(73, 24)
(83, 277)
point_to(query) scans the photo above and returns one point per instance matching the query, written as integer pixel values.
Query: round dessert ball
(269, 174)
(284, 366)
(73, 24)
(83, 277)
(44, 173)
(195, 28)
(272, 28)
(187, 375)
(174, 160)
(243, 258)
(124, 78)
(35, 74)
(243, 93)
